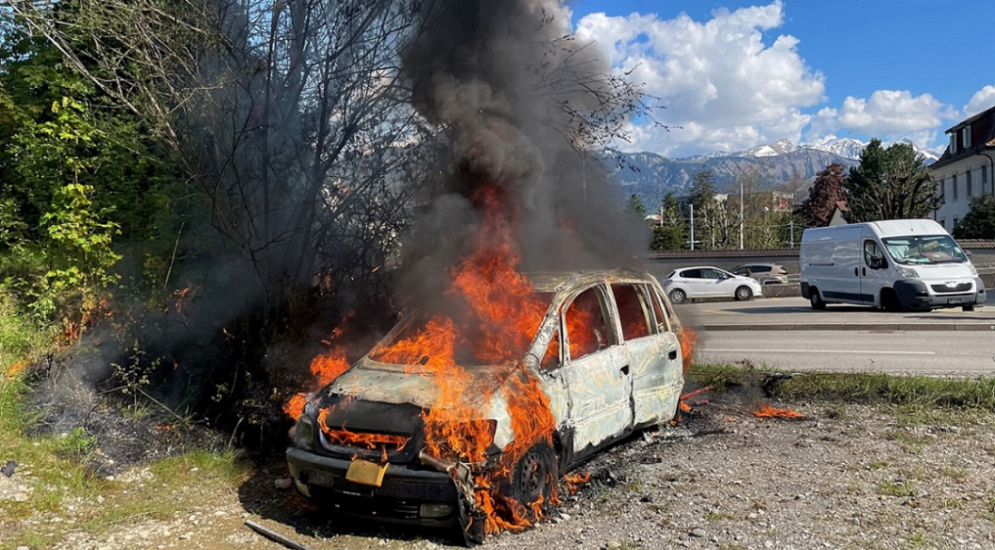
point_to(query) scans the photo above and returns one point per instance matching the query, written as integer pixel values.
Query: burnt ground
(845, 477)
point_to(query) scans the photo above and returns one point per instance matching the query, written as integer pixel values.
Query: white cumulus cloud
(982, 99)
(723, 81)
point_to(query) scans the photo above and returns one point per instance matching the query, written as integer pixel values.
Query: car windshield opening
(920, 250)
(464, 336)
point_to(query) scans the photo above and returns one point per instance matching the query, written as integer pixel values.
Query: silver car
(690, 283)
(605, 360)
(765, 274)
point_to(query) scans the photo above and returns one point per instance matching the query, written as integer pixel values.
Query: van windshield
(929, 249)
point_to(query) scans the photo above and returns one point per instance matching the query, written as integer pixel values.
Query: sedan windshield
(931, 249)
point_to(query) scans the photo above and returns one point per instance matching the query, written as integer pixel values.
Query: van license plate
(955, 300)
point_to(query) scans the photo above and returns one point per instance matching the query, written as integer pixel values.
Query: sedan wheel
(743, 293)
(677, 296)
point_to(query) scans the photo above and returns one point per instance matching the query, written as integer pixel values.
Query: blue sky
(738, 74)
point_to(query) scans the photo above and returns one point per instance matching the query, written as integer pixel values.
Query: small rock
(23, 548)
(283, 483)
(565, 516)
(698, 532)
(20, 497)
(613, 545)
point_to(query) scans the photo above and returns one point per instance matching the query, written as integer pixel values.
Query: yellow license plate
(366, 473)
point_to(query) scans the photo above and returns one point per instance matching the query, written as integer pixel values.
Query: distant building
(966, 168)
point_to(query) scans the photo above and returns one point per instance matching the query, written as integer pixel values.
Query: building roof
(986, 119)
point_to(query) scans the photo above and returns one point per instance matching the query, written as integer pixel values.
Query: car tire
(815, 299)
(534, 474)
(889, 300)
(677, 296)
(743, 293)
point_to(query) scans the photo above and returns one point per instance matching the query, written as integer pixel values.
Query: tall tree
(707, 213)
(635, 206)
(892, 183)
(828, 189)
(979, 223)
(672, 231)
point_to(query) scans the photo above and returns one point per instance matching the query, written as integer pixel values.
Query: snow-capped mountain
(845, 147)
(779, 147)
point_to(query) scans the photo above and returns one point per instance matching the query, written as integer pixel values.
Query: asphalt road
(787, 334)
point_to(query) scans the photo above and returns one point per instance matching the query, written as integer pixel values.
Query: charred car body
(604, 361)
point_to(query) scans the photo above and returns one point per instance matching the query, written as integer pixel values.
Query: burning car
(451, 420)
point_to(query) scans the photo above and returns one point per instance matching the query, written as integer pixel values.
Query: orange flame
(325, 368)
(689, 339)
(366, 440)
(766, 411)
(576, 481)
(503, 314)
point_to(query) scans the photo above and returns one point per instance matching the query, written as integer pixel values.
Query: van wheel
(744, 293)
(678, 296)
(968, 308)
(889, 300)
(815, 299)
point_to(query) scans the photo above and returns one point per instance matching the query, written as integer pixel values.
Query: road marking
(719, 312)
(843, 351)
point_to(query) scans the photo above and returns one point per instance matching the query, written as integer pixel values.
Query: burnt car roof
(554, 281)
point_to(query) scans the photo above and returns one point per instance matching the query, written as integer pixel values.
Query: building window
(967, 182)
(965, 137)
(956, 221)
(939, 190)
(953, 187)
(953, 143)
(984, 179)
(943, 222)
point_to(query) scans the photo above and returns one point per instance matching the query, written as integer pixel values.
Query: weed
(877, 465)
(917, 540)
(911, 442)
(897, 488)
(956, 474)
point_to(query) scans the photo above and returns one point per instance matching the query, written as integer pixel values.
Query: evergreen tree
(979, 223)
(635, 206)
(890, 184)
(672, 231)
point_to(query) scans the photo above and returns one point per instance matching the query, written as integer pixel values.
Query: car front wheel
(677, 296)
(534, 479)
(743, 293)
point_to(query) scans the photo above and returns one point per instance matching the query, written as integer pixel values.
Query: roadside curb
(934, 327)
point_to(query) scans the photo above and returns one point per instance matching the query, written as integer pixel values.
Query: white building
(966, 168)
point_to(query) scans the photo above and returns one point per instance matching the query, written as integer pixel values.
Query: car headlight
(972, 270)
(304, 433)
(908, 272)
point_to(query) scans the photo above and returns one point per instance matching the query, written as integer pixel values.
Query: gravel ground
(847, 477)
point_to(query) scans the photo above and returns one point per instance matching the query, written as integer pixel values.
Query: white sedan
(709, 282)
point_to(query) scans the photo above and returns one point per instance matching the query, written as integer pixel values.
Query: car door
(654, 352)
(595, 371)
(693, 283)
(720, 283)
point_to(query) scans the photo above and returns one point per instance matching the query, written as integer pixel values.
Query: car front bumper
(916, 295)
(407, 494)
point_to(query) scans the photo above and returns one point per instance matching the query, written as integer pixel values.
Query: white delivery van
(893, 264)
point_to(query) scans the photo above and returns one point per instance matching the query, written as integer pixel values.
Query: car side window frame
(645, 308)
(610, 320)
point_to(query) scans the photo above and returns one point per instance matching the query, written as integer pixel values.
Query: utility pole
(692, 226)
(791, 228)
(740, 213)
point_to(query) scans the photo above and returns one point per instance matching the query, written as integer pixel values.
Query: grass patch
(900, 488)
(921, 396)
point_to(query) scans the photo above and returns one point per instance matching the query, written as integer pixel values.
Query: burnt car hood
(369, 382)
